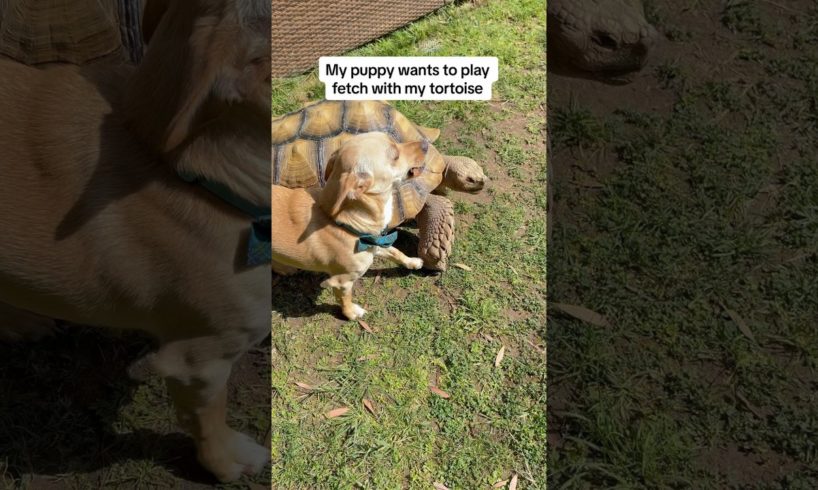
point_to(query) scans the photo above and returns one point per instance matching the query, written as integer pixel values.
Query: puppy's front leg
(342, 287)
(399, 257)
(197, 383)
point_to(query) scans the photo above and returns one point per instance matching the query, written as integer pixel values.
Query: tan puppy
(319, 229)
(98, 227)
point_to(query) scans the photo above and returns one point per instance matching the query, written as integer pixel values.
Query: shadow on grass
(60, 401)
(296, 296)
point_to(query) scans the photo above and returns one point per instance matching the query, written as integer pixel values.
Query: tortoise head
(460, 174)
(606, 37)
(463, 174)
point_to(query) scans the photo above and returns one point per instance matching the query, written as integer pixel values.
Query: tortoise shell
(76, 31)
(303, 142)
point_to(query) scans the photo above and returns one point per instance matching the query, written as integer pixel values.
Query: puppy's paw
(233, 455)
(414, 264)
(252, 456)
(354, 312)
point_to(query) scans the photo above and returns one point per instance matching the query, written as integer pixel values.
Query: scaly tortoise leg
(436, 232)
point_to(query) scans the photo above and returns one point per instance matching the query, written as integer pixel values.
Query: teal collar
(368, 240)
(259, 247)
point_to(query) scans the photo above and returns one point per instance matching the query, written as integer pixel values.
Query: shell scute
(298, 164)
(286, 128)
(405, 130)
(367, 116)
(322, 121)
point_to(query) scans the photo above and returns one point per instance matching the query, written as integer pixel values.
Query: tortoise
(599, 36)
(304, 140)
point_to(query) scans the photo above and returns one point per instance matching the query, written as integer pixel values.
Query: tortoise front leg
(436, 232)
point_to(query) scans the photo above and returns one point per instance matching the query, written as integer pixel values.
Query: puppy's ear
(352, 186)
(198, 79)
(432, 134)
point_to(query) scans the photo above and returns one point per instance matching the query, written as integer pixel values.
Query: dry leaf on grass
(304, 386)
(439, 486)
(512, 485)
(367, 357)
(365, 326)
(582, 313)
(536, 347)
(740, 323)
(499, 484)
(369, 406)
(437, 391)
(337, 412)
(462, 266)
(500, 354)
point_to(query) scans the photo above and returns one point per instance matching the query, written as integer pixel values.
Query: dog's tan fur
(358, 193)
(99, 229)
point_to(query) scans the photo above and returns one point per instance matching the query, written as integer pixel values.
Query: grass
(698, 244)
(433, 330)
(79, 421)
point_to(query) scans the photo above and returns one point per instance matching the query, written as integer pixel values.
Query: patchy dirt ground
(685, 214)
